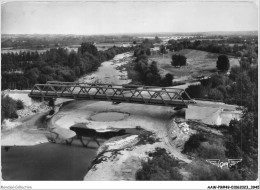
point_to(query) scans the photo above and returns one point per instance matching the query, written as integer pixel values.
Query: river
(56, 161)
(49, 161)
(109, 71)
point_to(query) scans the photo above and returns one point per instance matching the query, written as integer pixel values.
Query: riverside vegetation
(9, 107)
(23, 70)
(240, 139)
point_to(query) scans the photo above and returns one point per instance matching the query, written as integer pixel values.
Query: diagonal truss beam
(108, 92)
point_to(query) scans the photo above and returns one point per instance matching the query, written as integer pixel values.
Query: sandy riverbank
(127, 161)
(27, 133)
(121, 158)
(109, 72)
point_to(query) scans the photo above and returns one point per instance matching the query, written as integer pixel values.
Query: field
(199, 63)
(105, 46)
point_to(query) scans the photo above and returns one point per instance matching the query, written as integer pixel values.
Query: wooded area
(23, 70)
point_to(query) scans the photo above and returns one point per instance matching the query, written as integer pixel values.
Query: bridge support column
(51, 102)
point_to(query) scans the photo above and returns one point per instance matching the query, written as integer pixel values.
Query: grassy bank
(198, 63)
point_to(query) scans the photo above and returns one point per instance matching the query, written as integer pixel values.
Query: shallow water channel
(109, 116)
(54, 161)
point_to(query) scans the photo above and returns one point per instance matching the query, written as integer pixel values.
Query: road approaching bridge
(115, 93)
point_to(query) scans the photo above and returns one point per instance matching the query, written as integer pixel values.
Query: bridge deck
(115, 93)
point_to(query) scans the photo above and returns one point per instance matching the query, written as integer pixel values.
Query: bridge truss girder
(108, 92)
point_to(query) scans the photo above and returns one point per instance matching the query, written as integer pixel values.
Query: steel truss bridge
(115, 93)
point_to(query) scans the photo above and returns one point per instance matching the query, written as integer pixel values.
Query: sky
(126, 17)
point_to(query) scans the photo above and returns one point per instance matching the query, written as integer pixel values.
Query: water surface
(48, 161)
(108, 116)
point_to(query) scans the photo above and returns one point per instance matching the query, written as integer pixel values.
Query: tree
(157, 40)
(196, 43)
(142, 52)
(77, 71)
(244, 92)
(215, 94)
(43, 78)
(216, 80)
(161, 167)
(148, 51)
(147, 44)
(8, 108)
(234, 72)
(244, 140)
(32, 76)
(223, 63)
(73, 59)
(178, 60)
(194, 91)
(153, 67)
(244, 63)
(162, 49)
(222, 89)
(88, 47)
(194, 142)
(167, 80)
(19, 104)
(152, 79)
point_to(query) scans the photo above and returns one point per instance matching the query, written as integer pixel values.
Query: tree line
(50, 41)
(56, 64)
(215, 46)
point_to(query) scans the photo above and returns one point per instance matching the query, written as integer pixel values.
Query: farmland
(199, 63)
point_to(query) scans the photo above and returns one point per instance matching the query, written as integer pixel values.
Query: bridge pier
(69, 141)
(177, 108)
(51, 102)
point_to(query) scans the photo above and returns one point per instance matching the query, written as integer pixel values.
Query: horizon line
(129, 33)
